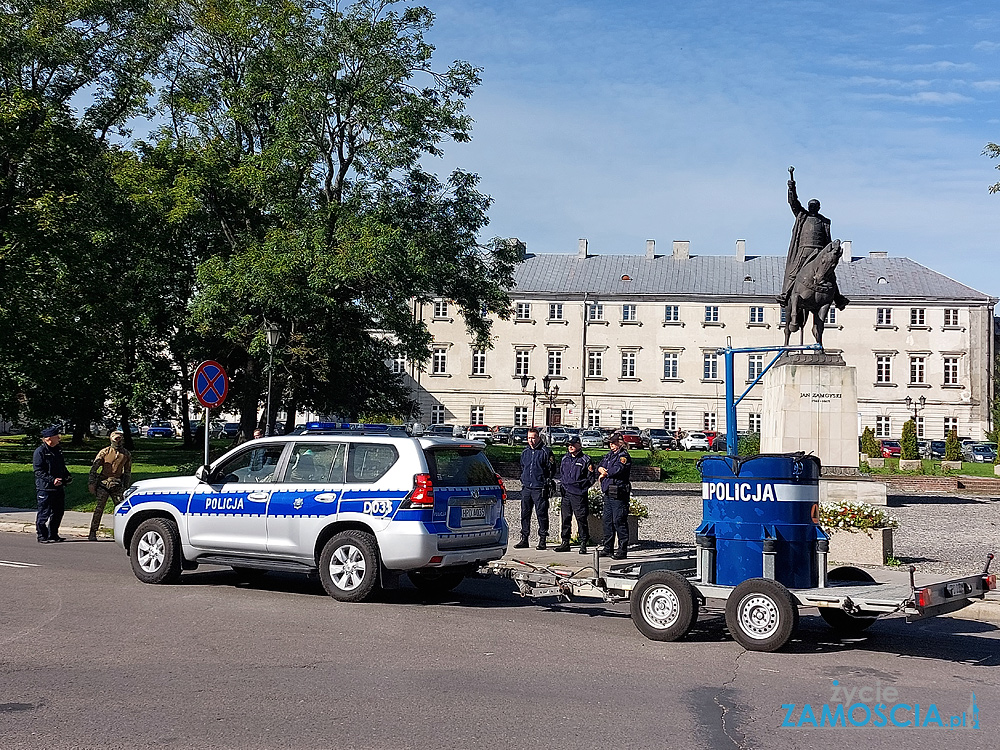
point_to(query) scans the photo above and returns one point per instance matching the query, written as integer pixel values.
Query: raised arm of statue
(793, 199)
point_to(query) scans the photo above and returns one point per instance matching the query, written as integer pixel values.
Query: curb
(29, 528)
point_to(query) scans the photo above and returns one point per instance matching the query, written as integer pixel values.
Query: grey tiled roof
(708, 275)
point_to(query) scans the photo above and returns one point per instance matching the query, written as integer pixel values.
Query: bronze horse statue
(814, 290)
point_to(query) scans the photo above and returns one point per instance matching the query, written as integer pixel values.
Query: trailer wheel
(844, 623)
(761, 614)
(663, 606)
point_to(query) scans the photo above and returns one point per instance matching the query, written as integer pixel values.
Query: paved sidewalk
(74, 522)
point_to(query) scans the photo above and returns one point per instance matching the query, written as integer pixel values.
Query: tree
(869, 446)
(952, 449)
(909, 450)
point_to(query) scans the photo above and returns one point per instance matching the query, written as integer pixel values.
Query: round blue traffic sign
(211, 384)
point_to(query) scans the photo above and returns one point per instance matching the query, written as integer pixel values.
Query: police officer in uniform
(614, 472)
(110, 475)
(538, 466)
(576, 475)
(51, 478)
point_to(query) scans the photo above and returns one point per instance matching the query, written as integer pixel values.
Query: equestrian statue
(810, 283)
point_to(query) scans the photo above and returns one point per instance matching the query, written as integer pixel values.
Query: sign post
(211, 386)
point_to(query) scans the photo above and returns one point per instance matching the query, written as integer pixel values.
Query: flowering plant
(848, 516)
(595, 503)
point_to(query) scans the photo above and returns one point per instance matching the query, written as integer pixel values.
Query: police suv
(357, 506)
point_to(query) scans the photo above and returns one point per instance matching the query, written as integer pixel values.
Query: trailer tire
(761, 614)
(663, 606)
(841, 622)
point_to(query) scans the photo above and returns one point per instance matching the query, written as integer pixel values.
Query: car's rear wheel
(155, 551)
(348, 566)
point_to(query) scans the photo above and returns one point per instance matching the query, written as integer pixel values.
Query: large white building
(631, 340)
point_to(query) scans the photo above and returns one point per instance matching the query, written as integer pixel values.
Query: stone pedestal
(865, 547)
(811, 405)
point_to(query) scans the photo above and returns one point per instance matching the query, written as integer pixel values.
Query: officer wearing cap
(576, 475)
(614, 472)
(51, 478)
(110, 475)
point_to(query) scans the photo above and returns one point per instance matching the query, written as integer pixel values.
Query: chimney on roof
(878, 254)
(741, 250)
(582, 249)
(846, 247)
(682, 249)
(520, 247)
(650, 249)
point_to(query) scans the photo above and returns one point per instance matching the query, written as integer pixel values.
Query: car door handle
(326, 497)
(258, 497)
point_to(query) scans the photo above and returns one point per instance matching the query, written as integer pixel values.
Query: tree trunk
(185, 402)
(124, 424)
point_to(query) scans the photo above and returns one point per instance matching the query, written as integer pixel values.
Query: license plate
(956, 589)
(475, 511)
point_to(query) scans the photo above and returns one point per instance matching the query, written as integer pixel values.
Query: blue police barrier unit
(759, 505)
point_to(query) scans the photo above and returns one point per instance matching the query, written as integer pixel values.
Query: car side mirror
(203, 474)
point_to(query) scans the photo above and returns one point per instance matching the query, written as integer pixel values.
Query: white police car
(357, 507)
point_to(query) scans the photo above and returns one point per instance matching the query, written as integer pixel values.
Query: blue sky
(626, 121)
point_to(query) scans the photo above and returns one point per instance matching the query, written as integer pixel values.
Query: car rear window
(460, 467)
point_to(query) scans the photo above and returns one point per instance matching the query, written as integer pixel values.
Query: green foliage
(595, 504)
(749, 444)
(869, 446)
(952, 448)
(909, 450)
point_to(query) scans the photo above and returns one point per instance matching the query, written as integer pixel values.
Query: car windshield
(891, 443)
(698, 435)
(591, 433)
(460, 467)
(659, 433)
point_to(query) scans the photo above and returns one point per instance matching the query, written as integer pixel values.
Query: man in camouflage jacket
(110, 476)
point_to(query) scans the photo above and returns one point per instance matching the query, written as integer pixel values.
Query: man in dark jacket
(538, 466)
(576, 475)
(51, 478)
(615, 471)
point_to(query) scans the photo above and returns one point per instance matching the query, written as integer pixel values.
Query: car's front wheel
(348, 566)
(155, 551)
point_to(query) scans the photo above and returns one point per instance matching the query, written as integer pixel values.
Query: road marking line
(11, 564)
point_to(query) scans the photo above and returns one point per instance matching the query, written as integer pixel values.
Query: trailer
(665, 595)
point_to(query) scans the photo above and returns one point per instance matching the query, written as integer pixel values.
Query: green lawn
(933, 468)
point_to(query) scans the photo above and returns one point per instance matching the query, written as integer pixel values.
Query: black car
(655, 439)
(935, 449)
(518, 436)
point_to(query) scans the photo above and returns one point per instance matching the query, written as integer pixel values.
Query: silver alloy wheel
(660, 607)
(347, 567)
(151, 552)
(758, 616)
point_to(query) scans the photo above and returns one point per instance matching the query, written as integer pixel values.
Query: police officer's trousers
(616, 521)
(575, 505)
(537, 499)
(51, 507)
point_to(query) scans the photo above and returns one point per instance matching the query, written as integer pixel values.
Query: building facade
(631, 341)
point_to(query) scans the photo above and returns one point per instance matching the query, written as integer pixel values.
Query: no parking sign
(211, 384)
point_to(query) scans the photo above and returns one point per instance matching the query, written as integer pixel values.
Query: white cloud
(986, 85)
(987, 46)
(924, 97)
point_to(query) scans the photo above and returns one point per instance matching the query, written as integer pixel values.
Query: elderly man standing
(110, 475)
(51, 478)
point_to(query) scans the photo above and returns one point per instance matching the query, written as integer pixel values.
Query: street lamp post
(273, 334)
(916, 406)
(549, 391)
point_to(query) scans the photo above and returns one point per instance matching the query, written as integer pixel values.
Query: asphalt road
(91, 658)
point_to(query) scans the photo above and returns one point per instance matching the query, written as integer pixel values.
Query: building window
(784, 316)
(920, 427)
(883, 316)
(555, 311)
(595, 311)
(831, 316)
(628, 364)
(477, 415)
(555, 361)
(883, 368)
(709, 420)
(628, 313)
(672, 314)
(883, 427)
(711, 313)
(755, 366)
(478, 361)
(593, 417)
(398, 365)
(439, 363)
(917, 369)
(753, 422)
(595, 364)
(951, 316)
(951, 370)
(440, 309)
(670, 420)
(522, 362)
(756, 314)
(711, 369)
(670, 365)
(627, 418)
(950, 424)
(522, 311)
(520, 416)
(437, 414)
(916, 316)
